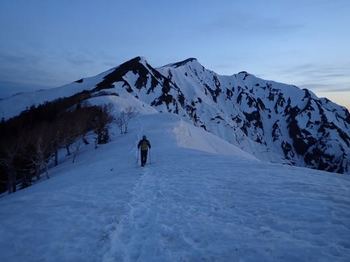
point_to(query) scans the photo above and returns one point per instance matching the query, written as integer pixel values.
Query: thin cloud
(326, 88)
(46, 68)
(79, 60)
(250, 24)
(318, 70)
(8, 59)
(319, 77)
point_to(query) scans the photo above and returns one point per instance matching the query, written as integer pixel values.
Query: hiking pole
(150, 156)
(137, 160)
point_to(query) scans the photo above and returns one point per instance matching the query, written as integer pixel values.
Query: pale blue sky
(49, 43)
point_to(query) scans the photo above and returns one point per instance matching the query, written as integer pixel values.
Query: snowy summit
(275, 122)
(240, 169)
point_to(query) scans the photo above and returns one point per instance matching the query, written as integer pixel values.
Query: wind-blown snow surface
(187, 205)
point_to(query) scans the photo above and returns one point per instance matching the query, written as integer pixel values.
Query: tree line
(30, 142)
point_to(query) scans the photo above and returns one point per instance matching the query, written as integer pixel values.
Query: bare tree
(68, 127)
(11, 150)
(29, 141)
(122, 120)
(76, 149)
(102, 118)
(119, 120)
(42, 150)
(81, 128)
(130, 113)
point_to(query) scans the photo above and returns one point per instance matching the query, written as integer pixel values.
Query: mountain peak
(141, 59)
(257, 115)
(137, 59)
(137, 64)
(183, 62)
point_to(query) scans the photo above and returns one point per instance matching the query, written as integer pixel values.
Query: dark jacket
(144, 144)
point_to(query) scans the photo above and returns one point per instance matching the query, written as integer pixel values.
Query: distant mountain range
(273, 121)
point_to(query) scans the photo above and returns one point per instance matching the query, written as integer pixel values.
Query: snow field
(68, 217)
(197, 201)
(192, 213)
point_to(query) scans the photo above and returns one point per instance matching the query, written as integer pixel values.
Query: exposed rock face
(273, 121)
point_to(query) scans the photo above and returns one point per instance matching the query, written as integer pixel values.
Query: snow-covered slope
(15, 104)
(200, 199)
(275, 122)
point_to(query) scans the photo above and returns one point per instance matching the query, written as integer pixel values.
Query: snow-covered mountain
(273, 121)
(200, 199)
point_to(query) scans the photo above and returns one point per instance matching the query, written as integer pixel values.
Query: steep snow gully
(196, 201)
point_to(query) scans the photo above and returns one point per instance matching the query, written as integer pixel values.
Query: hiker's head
(144, 137)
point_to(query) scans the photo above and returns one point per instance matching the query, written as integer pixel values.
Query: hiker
(144, 144)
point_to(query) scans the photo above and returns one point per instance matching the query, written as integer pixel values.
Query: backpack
(144, 145)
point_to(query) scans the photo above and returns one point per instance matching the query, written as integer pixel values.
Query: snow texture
(198, 199)
(274, 122)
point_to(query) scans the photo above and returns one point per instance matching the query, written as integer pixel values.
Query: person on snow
(144, 145)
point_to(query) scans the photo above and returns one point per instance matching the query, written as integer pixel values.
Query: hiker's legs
(143, 157)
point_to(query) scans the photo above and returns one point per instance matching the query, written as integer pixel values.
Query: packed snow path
(189, 212)
(187, 205)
